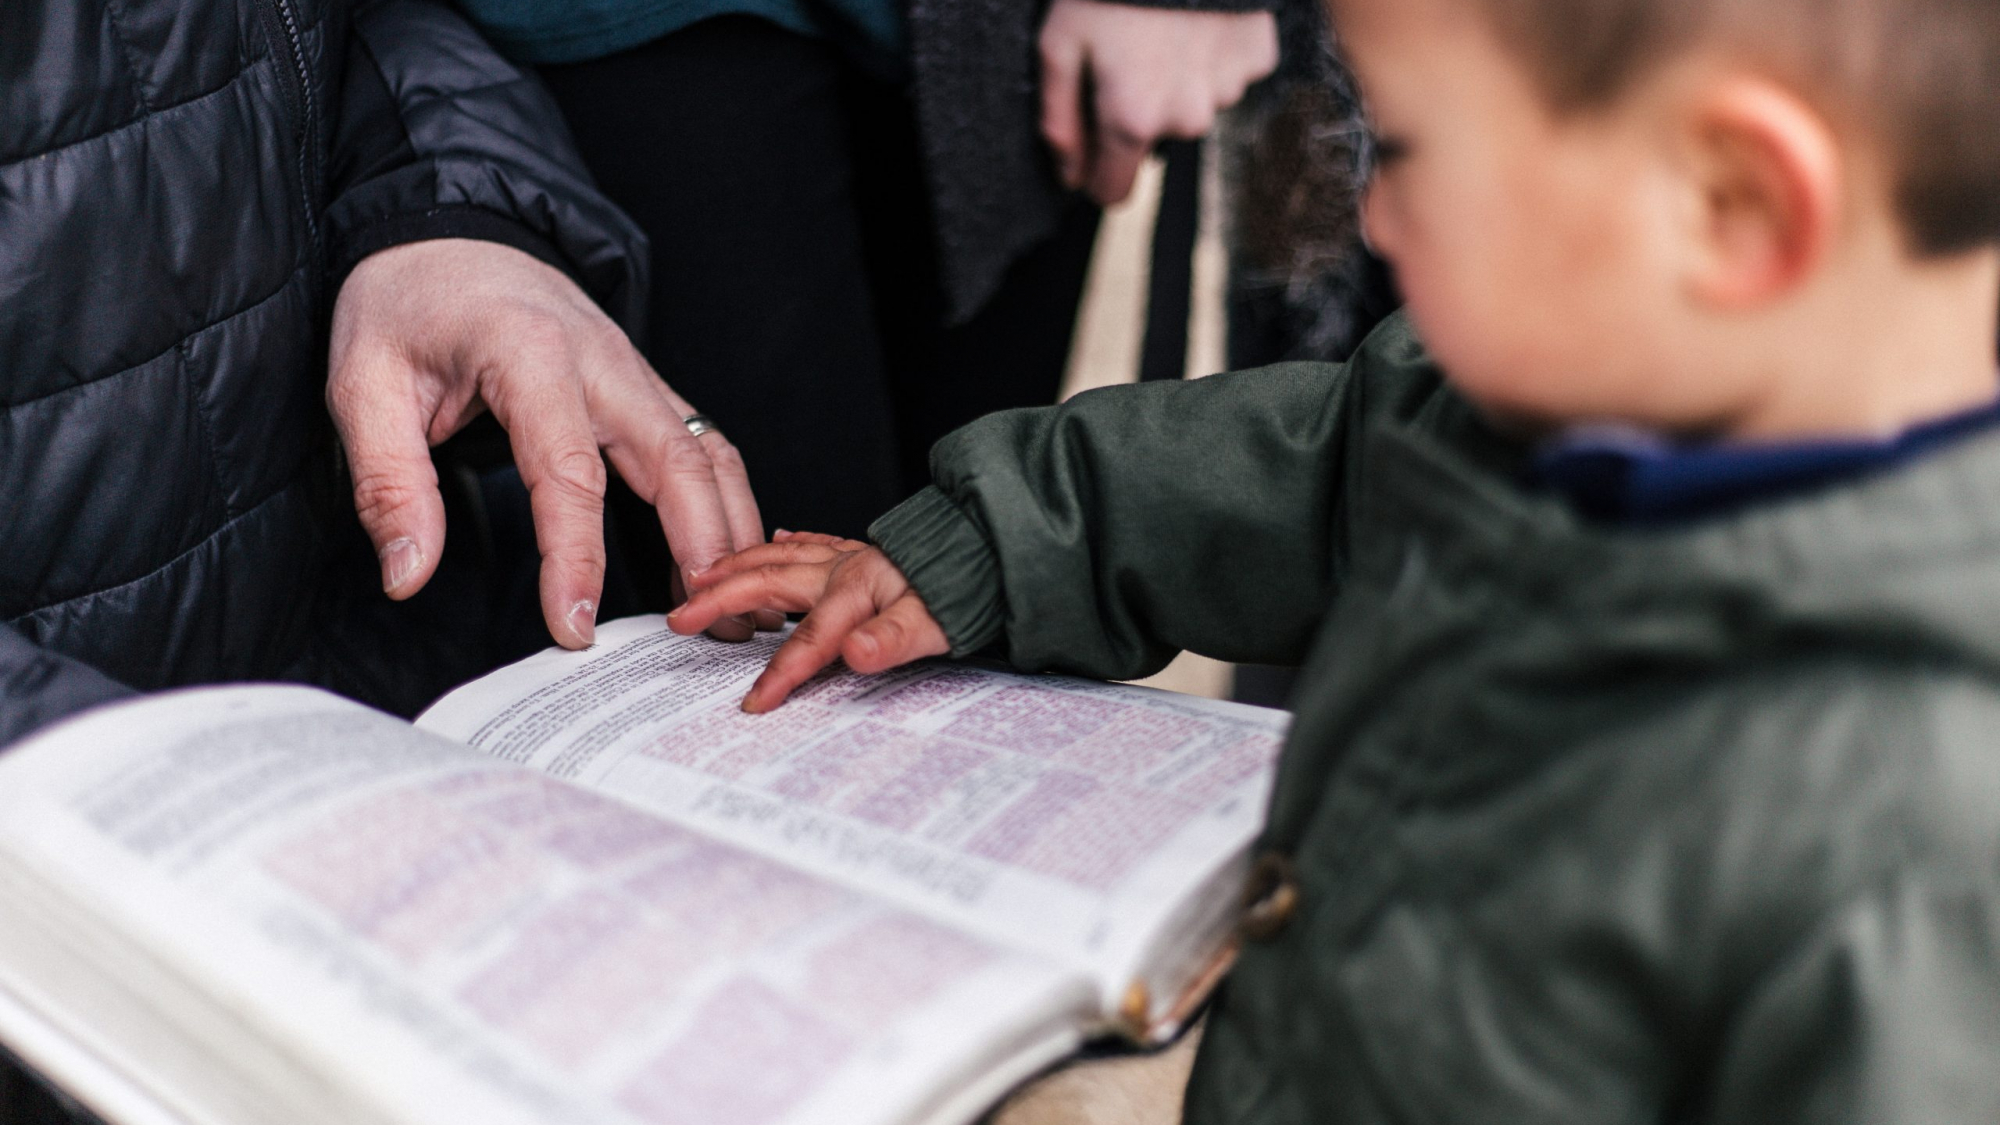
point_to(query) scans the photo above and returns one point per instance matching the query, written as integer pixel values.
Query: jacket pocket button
(1270, 897)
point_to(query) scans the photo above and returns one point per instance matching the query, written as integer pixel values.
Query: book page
(414, 932)
(1065, 816)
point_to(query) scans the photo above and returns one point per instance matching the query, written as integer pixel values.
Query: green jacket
(1589, 824)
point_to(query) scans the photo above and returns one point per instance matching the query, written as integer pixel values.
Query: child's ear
(1767, 180)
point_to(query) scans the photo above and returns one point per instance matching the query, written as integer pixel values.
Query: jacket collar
(1911, 551)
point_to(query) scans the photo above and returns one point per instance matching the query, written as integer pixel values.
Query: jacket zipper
(281, 22)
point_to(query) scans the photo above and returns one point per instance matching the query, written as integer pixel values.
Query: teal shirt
(545, 31)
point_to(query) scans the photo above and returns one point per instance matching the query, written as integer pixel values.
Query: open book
(587, 888)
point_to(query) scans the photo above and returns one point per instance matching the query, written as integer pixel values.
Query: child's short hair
(1923, 76)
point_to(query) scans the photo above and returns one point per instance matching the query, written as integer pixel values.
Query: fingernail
(401, 560)
(864, 645)
(781, 533)
(583, 620)
(747, 707)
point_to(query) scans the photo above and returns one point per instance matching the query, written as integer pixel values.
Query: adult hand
(858, 607)
(1117, 78)
(428, 334)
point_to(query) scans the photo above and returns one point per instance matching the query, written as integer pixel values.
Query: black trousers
(795, 283)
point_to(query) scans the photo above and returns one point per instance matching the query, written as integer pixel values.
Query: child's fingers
(788, 589)
(782, 553)
(725, 629)
(815, 644)
(732, 628)
(904, 632)
(820, 538)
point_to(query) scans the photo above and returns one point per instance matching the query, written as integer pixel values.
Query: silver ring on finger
(699, 424)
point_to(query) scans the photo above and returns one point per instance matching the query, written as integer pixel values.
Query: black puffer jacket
(183, 184)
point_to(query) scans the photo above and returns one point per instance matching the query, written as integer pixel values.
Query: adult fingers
(1118, 146)
(746, 524)
(692, 514)
(1063, 117)
(640, 424)
(383, 430)
(1263, 57)
(556, 450)
(904, 632)
(732, 480)
(732, 476)
(812, 646)
(1114, 168)
(643, 434)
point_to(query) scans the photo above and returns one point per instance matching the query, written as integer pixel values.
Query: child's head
(1731, 216)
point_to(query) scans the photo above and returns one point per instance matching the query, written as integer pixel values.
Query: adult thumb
(382, 430)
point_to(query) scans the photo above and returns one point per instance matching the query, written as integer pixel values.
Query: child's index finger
(812, 646)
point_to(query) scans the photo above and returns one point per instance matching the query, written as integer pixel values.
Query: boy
(1640, 775)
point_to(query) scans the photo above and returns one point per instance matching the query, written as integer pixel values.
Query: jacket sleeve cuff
(444, 222)
(950, 563)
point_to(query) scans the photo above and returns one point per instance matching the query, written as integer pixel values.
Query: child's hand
(858, 607)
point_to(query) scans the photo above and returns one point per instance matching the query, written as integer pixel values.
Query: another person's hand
(1119, 78)
(858, 607)
(428, 334)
